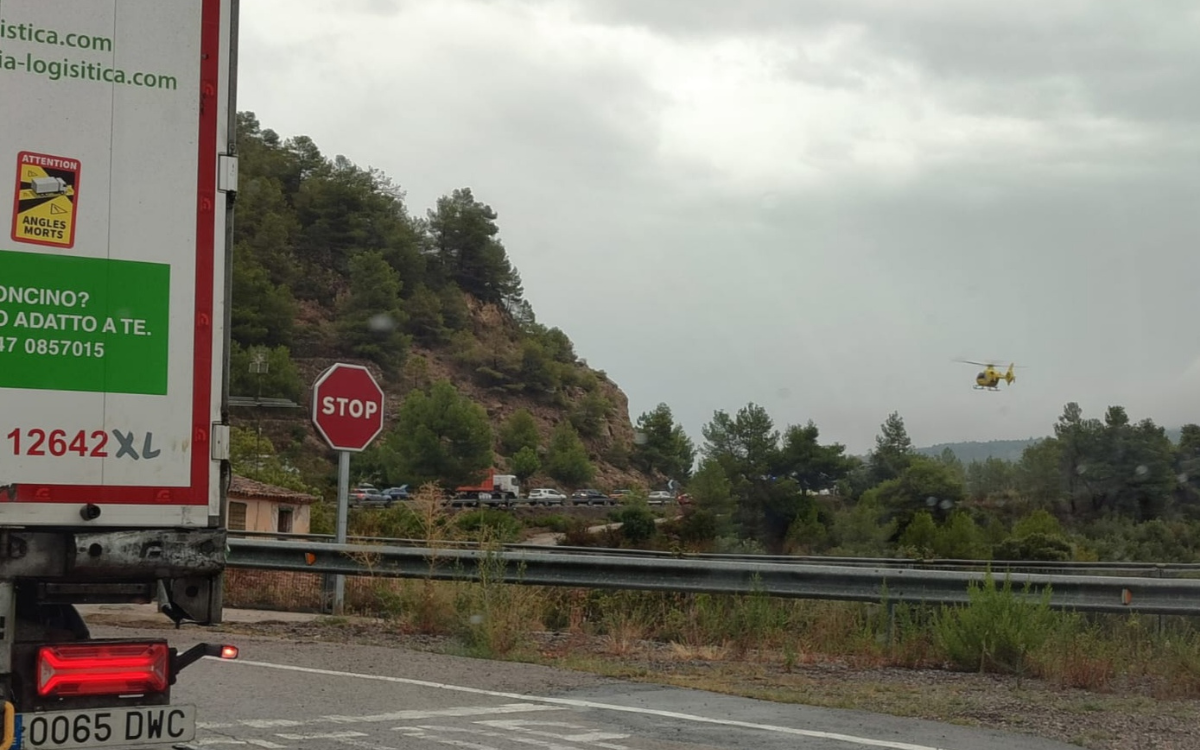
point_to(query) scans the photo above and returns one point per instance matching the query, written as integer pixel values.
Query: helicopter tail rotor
(1009, 377)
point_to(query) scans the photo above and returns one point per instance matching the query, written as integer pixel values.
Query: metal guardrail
(1091, 593)
(1124, 568)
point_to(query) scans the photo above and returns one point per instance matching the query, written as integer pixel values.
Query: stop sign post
(347, 410)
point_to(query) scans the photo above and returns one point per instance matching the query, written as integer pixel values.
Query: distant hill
(1005, 450)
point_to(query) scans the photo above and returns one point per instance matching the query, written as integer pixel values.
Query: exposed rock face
(494, 330)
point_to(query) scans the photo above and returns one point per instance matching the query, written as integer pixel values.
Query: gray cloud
(814, 206)
(1135, 60)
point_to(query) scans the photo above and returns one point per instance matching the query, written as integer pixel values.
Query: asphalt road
(310, 695)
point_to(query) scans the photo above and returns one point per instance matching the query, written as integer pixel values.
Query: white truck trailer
(117, 138)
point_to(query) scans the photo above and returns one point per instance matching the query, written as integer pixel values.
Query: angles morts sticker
(47, 195)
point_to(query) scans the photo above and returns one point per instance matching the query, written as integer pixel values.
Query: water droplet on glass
(931, 501)
(1182, 477)
(784, 392)
(1081, 469)
(476, 619)
(381, 322)
(639, 438)
(946, 504)
(1141, 470)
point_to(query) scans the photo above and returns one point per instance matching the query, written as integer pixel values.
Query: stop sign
(347, 407)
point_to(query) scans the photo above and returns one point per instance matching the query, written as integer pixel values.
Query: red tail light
(102, 669)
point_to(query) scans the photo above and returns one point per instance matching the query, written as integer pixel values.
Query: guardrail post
(1159, 573)
(326, 602)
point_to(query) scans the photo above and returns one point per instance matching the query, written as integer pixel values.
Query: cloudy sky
(815, 206)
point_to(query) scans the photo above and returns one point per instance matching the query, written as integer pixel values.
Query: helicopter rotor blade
(994, 363)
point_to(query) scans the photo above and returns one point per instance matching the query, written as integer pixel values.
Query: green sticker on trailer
(83, 324)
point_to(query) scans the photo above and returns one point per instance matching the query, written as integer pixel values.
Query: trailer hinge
(220, 442)
(227, 173)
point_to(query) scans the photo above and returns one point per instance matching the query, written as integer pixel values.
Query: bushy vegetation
(328, 258)
(1106, 489)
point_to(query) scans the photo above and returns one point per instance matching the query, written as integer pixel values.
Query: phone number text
(51, 347)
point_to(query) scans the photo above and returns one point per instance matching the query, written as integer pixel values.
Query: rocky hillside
(330, 265)
(609, 451)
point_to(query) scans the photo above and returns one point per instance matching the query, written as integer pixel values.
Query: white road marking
(230, 741)
(420, 735)
(365, 745)
(323, 736)
(406, 715)
(546, 744)
(438, 713)
(586, 737)
(577, 703)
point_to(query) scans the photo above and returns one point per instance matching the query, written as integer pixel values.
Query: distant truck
(114, 430)
(494, 489)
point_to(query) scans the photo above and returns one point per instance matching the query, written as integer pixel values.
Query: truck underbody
(51, 668)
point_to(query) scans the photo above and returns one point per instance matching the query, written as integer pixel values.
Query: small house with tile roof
(258, 506)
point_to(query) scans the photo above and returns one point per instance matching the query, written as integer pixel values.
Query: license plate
(108, 727)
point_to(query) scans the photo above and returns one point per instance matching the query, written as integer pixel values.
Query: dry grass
(1104, 654)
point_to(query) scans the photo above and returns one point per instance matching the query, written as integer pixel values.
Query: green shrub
(567, 458)
(559, 523)
(1039, 521)
(997, 630)
(589, 415)
(495, 525)
(519, 431)
(396, 522)
(1035, 546)
(637, 523)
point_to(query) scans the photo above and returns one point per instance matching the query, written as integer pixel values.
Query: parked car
(546, 496)
(397, 493)
(659, 497)
(368, 496)
(589, 497)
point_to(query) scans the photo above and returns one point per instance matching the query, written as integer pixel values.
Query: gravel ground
(1102, 721)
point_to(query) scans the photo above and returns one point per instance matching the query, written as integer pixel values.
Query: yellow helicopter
(989, 379)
